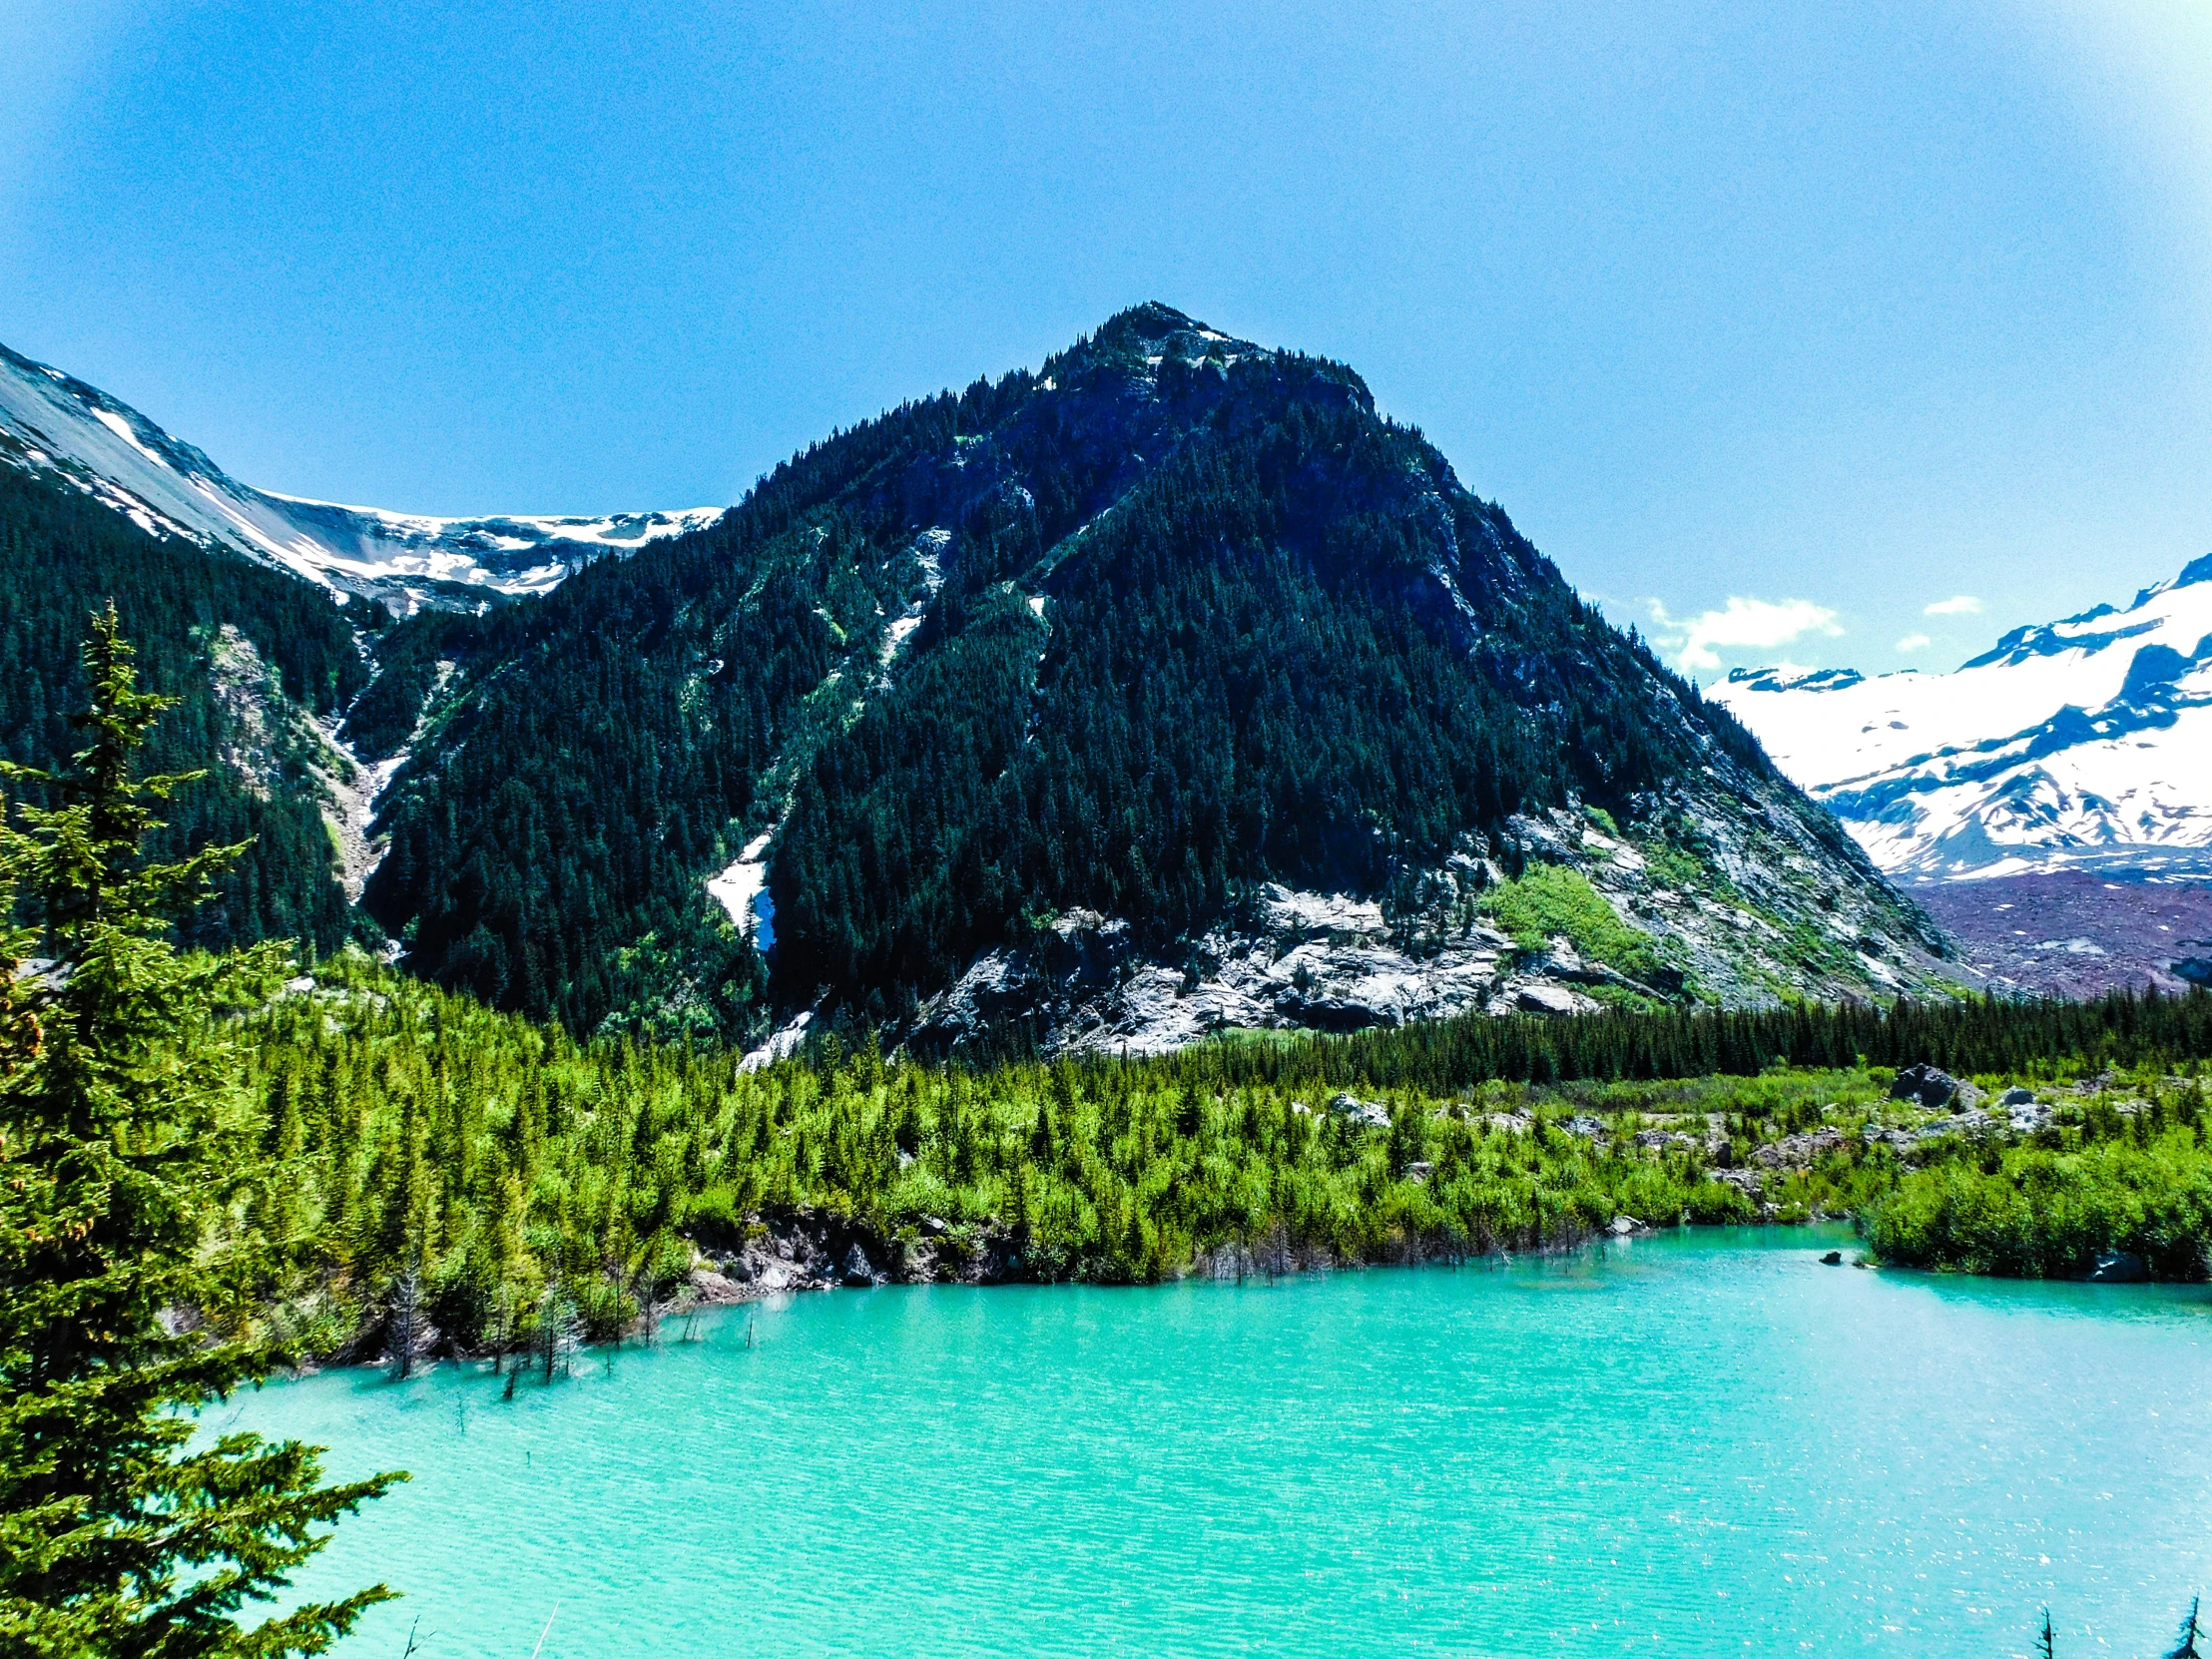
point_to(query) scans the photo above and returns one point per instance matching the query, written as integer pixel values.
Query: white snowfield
(53, 424)
(2087, 743)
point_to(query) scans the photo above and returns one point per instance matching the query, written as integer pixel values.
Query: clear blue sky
(1836, 311)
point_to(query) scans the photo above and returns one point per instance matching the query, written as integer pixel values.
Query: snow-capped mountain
(58, 426)
(2082, 744)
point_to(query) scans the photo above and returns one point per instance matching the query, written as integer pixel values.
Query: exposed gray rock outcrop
(1314, 960)
(1292, 960)
(1926, 1087)
(1360, 1114)
(1797, 1151)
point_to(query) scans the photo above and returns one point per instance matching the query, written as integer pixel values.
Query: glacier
(2083, 743)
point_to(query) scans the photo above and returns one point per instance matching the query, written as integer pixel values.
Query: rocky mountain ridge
(57, 426)
(2083, 744)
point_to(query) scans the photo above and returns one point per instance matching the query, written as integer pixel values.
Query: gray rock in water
(2118, 1267)
(859, 1270)
(1925, 1085)
(1623, 1226)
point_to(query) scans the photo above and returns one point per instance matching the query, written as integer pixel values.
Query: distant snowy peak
(55, 425)
(2081, 743)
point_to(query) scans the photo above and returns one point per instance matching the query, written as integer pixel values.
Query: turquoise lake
(1699, 1444)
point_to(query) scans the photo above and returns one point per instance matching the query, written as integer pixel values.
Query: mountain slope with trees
(253, 656)
(1169, 631)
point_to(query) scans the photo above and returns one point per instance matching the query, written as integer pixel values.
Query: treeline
(63, 556)
(1973, 1035)
(509, 1175)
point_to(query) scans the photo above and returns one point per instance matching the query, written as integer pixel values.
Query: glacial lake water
(1695, 1445)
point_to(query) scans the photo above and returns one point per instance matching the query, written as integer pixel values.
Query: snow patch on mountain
(739, 887)
(2084, 743)
(53, 424)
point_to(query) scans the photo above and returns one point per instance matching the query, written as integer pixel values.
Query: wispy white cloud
(1742, 625)
(1914, 642)
(1965, 604)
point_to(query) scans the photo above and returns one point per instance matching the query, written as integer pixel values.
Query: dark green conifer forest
(63, 556)
(1205, 619)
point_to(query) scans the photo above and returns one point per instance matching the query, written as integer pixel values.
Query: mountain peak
(2195, 571)
(1154, 320)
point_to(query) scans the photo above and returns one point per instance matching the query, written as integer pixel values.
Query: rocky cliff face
(1780, 924)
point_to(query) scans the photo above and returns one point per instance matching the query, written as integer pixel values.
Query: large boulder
(859, 1270)
(1540, 998)
(1360, 1114)
(1926, 1087)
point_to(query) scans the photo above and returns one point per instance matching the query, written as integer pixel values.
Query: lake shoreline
(810, 1268)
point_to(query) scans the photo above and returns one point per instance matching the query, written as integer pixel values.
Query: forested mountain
(252, 654)
(1165, 688)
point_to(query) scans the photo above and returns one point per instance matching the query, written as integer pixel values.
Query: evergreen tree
(2185, 1647)
(122, 1530)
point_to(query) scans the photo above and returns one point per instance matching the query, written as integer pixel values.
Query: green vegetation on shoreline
(512, 1178)
(2139, 1186)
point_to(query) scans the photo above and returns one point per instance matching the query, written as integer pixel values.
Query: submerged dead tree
(405, 1323)
(559, 1332)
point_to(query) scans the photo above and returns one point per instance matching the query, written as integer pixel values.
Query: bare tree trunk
(406, 1305)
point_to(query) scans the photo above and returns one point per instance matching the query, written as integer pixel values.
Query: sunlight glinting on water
(1697, 1446)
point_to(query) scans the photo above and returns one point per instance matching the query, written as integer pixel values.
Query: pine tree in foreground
(123, 1530)
(2185, 1646)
